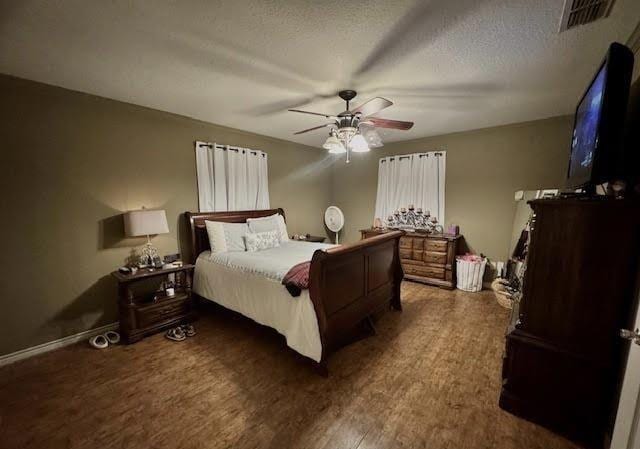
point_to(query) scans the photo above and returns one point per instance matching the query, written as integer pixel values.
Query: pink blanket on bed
(297, 278)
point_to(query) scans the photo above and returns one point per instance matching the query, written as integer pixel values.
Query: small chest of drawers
(427, 258)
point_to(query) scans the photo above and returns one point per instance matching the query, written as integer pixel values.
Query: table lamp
(146, 222)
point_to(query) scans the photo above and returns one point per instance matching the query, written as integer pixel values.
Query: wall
(484, 169)
(72, 163)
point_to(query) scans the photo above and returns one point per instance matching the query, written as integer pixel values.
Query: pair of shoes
(188, 329)
(180, 333)
(103, 340)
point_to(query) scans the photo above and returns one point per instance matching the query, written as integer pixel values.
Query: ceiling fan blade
(279, 106)
(372, 106)
(418, 28)
(312, 129)
(391, 124)
(447, 90)
(312, 113)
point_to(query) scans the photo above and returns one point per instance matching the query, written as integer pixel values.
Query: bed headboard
(198, 238)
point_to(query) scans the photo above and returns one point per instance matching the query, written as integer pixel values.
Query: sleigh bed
(347, 284)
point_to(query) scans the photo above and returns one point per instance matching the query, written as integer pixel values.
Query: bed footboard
(349, 283)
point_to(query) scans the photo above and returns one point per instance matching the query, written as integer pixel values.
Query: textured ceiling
(449, 65)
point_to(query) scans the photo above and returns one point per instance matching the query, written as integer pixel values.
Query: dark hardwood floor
(430, 378)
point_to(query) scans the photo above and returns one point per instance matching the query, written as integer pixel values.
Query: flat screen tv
(596, 146)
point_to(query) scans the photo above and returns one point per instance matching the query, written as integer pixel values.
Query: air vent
(580, 12)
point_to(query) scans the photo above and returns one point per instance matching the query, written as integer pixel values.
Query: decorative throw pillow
(226, 237)
(273, 222)
(257, 241)
(282, 226)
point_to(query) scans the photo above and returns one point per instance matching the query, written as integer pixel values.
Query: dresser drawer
(405, 253)
(435, 257)
(436, 245)
(425, 271)
(156, 313)
(405, 242)
(411, 255)
(417, 243)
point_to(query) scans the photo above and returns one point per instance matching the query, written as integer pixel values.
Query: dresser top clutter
(148, 273)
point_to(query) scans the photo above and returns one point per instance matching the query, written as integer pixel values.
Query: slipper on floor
(188, 330)
(175, 334)
(99, 342)
(113, 337)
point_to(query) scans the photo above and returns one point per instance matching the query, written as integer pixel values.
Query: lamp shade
(359, 144)
(334, 145)
(145, 222)
(337, 149)
(371, 136)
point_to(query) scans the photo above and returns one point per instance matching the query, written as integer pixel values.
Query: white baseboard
(56, 344)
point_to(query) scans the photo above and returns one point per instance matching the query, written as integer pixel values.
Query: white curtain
(416, 179)
(231, 178)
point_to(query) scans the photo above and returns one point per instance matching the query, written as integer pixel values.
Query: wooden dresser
(427, 258)
(563, 353)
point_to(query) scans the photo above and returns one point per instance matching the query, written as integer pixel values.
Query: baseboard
(55, 344)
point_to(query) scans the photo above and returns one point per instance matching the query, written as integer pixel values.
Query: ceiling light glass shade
(334, 145)
(358, 144)
(371, 136)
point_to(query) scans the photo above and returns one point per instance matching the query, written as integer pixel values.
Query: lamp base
(148, 254)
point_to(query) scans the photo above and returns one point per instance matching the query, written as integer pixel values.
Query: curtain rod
(436, 153)
(230, 148)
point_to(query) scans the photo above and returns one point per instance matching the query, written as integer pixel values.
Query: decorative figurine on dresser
(144, 312)
(427, 254)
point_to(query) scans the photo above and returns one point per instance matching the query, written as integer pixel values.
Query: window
(416, 179)
(231, 178)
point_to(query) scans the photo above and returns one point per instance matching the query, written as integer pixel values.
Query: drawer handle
(165, 311)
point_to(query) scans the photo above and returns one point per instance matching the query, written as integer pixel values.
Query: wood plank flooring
(430, 378)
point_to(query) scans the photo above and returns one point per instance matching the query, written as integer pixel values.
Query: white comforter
(250, 283)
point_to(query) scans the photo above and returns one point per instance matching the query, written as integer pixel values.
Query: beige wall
(484, 169)
(72, 163)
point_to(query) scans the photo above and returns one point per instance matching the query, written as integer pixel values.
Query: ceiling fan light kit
(371, 135)
(355, 130)
(358, 144)
(333, 144)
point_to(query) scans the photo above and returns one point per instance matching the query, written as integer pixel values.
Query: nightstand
(143, 314)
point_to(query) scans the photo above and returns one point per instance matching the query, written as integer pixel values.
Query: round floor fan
(334, 219)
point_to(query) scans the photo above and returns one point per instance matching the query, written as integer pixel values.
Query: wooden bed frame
(347, 283)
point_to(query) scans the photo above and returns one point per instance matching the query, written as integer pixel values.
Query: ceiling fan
(355, 130)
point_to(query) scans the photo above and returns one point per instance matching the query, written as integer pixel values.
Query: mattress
(250, 283)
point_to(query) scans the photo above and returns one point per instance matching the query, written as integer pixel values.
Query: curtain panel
(231, 178)
(416, 179)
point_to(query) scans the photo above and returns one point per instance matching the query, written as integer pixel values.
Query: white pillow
(273, 222)
(257, 241)
(226, 237)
